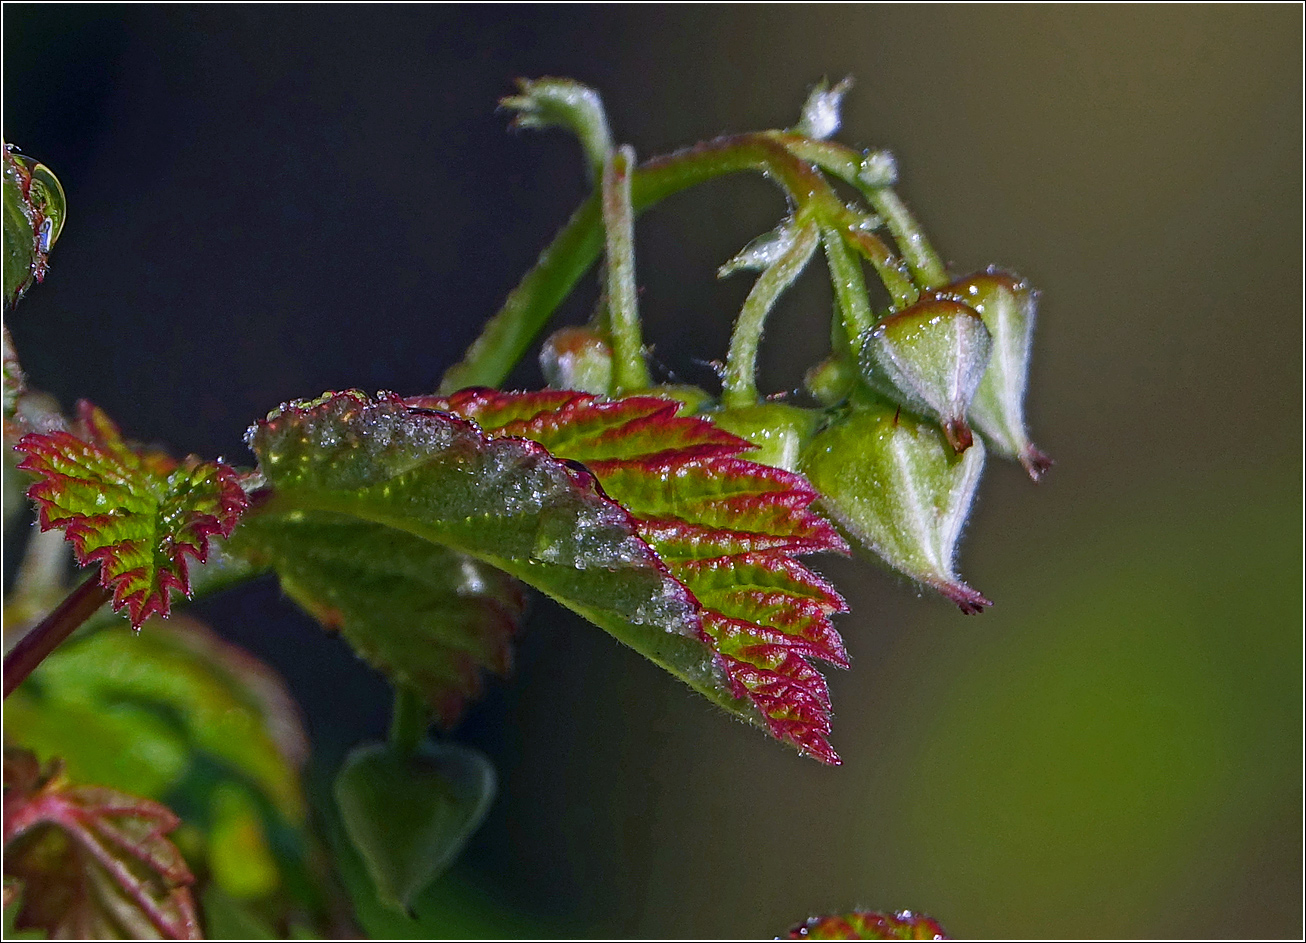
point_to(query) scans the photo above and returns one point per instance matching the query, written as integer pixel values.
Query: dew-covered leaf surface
(869, 925)
(728, 529)
(646, 523)
(139, 514)
(93, 863)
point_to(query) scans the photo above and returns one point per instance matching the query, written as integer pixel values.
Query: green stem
(629, 371)
(739, 386)
(409, 720)
(849, 291)
(528, 308)
(508, 334)
(926, 266)
(847, 164)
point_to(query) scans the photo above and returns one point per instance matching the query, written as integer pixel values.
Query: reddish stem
(32, 648)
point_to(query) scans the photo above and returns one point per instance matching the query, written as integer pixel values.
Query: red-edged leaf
(137, 513)
(728, 529)
(869, 925)
(396, 524)
(94, 862)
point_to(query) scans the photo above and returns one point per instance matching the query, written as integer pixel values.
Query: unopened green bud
(779, 431)
(1006, 302)
(831, 380)
(577, 358)
(692, 398)
(408, 815)
(892, 483)
(930, 357)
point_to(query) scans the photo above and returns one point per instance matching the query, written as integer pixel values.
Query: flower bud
(577, 358)
(930, 357)
(1006, 302)
(831, 380)
(891, 482)
(779, 431)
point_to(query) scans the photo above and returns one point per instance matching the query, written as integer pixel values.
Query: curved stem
(33, 647)
(926, 266)
(739, 386)
(509, 333)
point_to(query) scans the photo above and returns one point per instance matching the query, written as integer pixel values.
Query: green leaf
(728, 529)
(93, 862)
(408, 815)
(869, 925)
(425, 615)
(662, 537)
(34, 211)
(138, 514)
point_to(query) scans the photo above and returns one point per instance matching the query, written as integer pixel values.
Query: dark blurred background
(268, 202)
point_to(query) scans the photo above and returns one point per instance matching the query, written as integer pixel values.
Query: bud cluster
(911, 398)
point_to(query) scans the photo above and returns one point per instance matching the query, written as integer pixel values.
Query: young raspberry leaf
(728, 529)
(1006, 302)
(384, 518)
(139, 514)
(93, 862)
(34, 210)
(869, 925)
(892, 483)
(930, 358)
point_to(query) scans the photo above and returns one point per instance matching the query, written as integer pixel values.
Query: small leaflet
(137, 513)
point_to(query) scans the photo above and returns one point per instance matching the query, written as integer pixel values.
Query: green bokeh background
(1115, 749)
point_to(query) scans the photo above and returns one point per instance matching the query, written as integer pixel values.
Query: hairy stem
(629, 372)
(849, 165)
(33, 647)
(926, 266)
(576, 247)
(740, 382)
(849, 290)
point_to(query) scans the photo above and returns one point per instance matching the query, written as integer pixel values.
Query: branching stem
(579, 244)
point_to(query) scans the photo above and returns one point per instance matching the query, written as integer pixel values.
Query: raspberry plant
(671, 516)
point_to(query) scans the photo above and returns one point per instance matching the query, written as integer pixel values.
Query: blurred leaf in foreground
(93, 862)
(176, 714)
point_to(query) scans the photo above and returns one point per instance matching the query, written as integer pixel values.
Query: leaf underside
(93, 862)
(869, 925)
(139, 514)
(646, 523)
